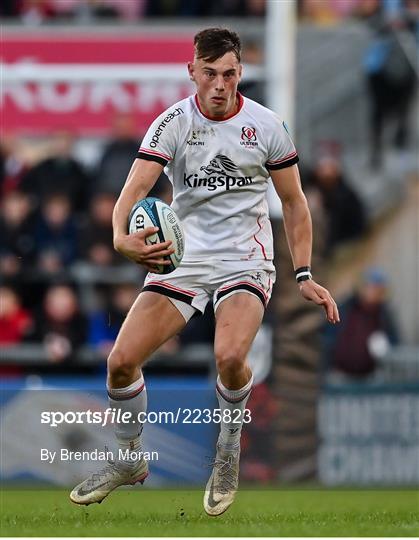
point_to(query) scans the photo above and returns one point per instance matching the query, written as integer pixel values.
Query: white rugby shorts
(193, 283)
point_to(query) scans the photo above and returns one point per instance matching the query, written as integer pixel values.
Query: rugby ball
(152, 212)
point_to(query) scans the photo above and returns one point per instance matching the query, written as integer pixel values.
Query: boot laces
(226, 473)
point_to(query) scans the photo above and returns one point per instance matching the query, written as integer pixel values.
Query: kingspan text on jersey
(156, 137)
(214, 182)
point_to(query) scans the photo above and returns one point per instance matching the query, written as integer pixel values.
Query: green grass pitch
(284, 512)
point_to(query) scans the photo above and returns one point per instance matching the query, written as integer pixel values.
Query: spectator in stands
(177, 8)
(60, 173)
(90, 10)
(327, 12)
(96, 236)
(390, 72)
(203, 8)
(254, 8)
(199, 330)
(117, 156)
(17, 244)
(317, 12)
(412, 12)
(12, 167)
(105, 323)
(15, 321)
(253, 55)
(9, 8)
(60, 325)
(238, 8)
(344, 208)
(367, 329)
(116, 161)
(56, 234)
(319, 218)
(34, 12)
(129, 10)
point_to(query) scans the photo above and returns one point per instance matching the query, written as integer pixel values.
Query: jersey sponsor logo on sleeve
(248, 137)
(218, 174)
(160, 128)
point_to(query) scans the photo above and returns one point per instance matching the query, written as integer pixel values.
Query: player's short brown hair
(213, 43)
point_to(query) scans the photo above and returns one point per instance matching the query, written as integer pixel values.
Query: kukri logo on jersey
(219, 173)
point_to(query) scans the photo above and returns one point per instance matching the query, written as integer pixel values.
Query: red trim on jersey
(170, 286)
(289, 156)
(226, 287)
(260, 243)
(241, 102)
(154, 153)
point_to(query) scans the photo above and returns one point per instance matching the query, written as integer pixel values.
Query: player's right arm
(141, 178)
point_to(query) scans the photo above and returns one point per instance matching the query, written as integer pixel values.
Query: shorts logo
(248, 137)
(219, 174)
(257, 276)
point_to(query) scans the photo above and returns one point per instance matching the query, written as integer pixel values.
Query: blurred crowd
(85, 11)
(56, 237)
(321, 12)
(331, 12)
(56, 221)
(391, 71)
(55, 213)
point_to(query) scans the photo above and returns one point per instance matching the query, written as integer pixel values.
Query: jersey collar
(241, 102)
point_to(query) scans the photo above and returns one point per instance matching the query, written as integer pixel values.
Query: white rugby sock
(235, 402)
(132, 399)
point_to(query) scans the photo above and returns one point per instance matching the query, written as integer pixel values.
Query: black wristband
(303, 273)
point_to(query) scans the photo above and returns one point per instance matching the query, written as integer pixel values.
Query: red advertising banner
(36, 105)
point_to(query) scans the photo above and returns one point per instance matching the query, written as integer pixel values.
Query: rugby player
(219, 149)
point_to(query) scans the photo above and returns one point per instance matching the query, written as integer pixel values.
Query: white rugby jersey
(220, 170)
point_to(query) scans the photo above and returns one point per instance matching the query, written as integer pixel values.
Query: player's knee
(229, 359)
(120, 367)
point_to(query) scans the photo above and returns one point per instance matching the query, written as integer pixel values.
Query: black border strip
(149, 157)
(242, 286)
(283, 165)
(165, 291)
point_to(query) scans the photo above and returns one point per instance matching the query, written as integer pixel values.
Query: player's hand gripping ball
(152, 212)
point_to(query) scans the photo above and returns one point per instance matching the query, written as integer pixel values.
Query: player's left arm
(298, 229)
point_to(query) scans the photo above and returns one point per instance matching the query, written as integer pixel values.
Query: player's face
(216, 84)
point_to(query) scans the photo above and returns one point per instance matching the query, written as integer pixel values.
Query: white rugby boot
(223, 483)
(98, 485)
